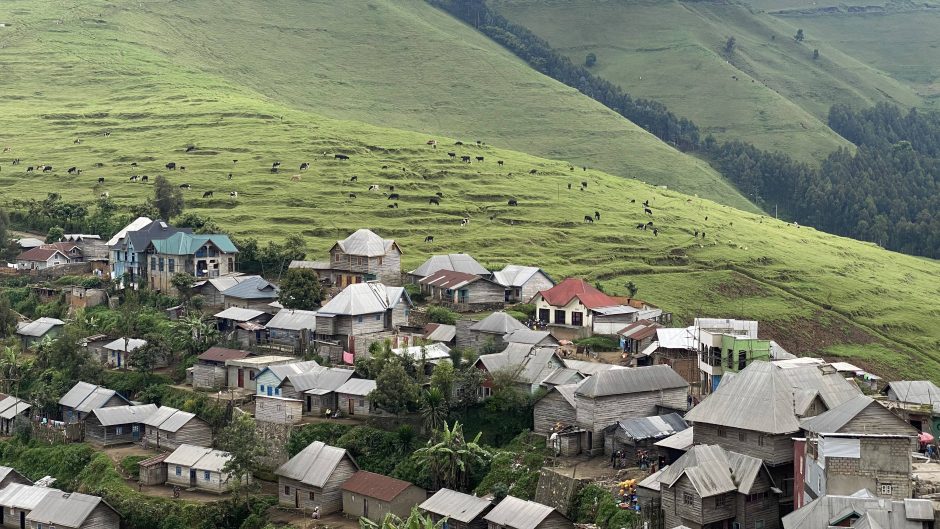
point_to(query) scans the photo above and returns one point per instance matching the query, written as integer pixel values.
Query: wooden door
(351, 406)
(241, 378)
(365, 507)
(296, 498)
(22, 519)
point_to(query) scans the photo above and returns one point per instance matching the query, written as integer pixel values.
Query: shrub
(599, 343)
(130, 465)
(442, 316)
(526, 308)
(414, 292)
(518, 315)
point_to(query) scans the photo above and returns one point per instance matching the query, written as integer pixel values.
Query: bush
(328, 433)
(526, 308)
(130, 466)
(518, 315)
(599, 343)
(414, 292)
(442, 316)
(515, 469)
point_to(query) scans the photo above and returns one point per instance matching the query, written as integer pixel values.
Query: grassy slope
(747, 266)
(404, 64)
(672, 51)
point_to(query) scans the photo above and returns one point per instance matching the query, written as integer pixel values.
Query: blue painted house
(270, 378)
(127, 251)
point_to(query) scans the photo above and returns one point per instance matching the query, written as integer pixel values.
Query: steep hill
(768, 91)
(813, 292)
(395, 63)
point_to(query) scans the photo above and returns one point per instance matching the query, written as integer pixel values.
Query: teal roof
(188, 244)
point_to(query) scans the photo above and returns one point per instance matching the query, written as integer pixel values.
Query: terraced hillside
(815, 293)
(768, 91)
(396, 63)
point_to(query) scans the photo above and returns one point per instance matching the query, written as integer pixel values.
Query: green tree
(467, 384)
(183, 283)
(198, 223)
(145, 359)
(395, 391)
(442, 316)
(590, 60)
(632, 289)
(442, 378)
(799, 35)
(193, 333)
(7, 317)
(452, 459)
(241, 440)
(167, 198)
(300, 289)
(4, 229)
(433, 409)
(55, 234)
(415, 520)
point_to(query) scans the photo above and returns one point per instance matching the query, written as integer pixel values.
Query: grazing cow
(458, 143)
(533, 171)
(99, 164)
(133, 164)
(72, 170)
(100, 179)
(340, 157)
(171, 166)
(432, 143)
(429, 238)
(276, 164)
(656, 232)
(191, 148)
(439, 194)
(77, 141)
(465, 159)
(274, 170)
(353, 178)
(584, 184)
(47, 168)
(105, 194)
(384, 167)
(703, 234)
(393, 196)
(134, 178)
(513, 202)
(393, 206)
(391, 188)
(233, 194)
(648, 211)
(16, 161)
(597, 215)
(145, 178)
(182, 168)
(230, 176)
(479, 158)
(185, 186)
(464, 222)
(29, 169)
(352, 195)
(588, 218)
(706, 217)
(434, 200)
(234, 162)
(452, 154)
(648, 225)
(207, 194)
(646, 203)
(107, 134)
(633, 201)
(569, 186)
(304, 166)
(295, 178)
(373, 187)
(696, 234)
(500, 163)
(641, 226)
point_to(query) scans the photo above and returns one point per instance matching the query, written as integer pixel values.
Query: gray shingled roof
(38, 327)
(498, 323)
(364, 298)
(63, 509)
(518, 514)
(116, 415)
(624, 381)
(314, 464)
(656, 427)
(885, 513)
(712, 470)
(455, 505)
(252, 288)
(761, 398)
(293, 320)
(365, 243)
(457, 262)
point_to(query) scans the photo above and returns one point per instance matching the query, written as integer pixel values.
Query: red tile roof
(562, 294)
(221, 354)
(382, 488)
(38, 254)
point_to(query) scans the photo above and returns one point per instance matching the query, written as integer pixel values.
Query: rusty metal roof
(374, 485)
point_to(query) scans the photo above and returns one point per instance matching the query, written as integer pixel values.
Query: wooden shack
(515, 513)
(169, 428)
(462, 511)
(278, 410)
(152, 471)
(372, 496)
(210, 372)
(313, 478)
(118, 424)
(353, 397)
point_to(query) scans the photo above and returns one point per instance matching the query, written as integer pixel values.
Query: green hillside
(813, 292)
(768, 91)
(395, 63)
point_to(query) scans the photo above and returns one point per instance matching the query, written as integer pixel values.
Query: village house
(462, 511)
(587, 410)
(636, 338)
(440, 333)
(713, 487)
(119, 351)
(243, 373)
(128, 254)
(363, 257)
(197, 467)
(278, 410)
(25, 243)
(362, 314)
(916, 400)
(268, 380)
(487, 332)
(530, 367)
(529, 337)
(522, 283)
(461, 291)
(856, 445)
(677, 348)
(169, 428)
(152, 471)
(253, 292)
(758, 411)
(353, 397)
(83, 398)
(117, 424)
(211, 289)
(202, 256)
(211, 372)
(293, 328)
(316, 387)
(862, 510)
(675, 445)
(514, 513)
(35, 331)
(431, 354)
(575, 309)
(372, 496)
(455, 262)
(246, 326)
(40, 258)
(10, 475)
(18, 500)
(313, 478)
(641, 433)
(73, 510)
(79, 297)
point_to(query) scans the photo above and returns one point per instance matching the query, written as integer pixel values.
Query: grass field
(769, 91)
(398, 63)
(71, 81)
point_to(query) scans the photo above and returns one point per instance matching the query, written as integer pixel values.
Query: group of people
(626, 495)
(644, 460)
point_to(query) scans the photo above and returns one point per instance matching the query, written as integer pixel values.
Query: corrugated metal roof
(623, 381)
(455, 262)
(916, 509)
(135, 225)
(589, 368)
(281, 371)
(313, 465)
(85, 397)
(450, 280)
(186, 455)
(885, 513)
(382, 488)
(325, 379)
(357, 386)
(430, 352)
(181, 243)
(676, 338)
(213, 461)
(255, 287)
(116, 415)
(456, 505)
(11, 407)
(441, 333)
(652, 481)
(761, 398)
(38, 327)
(516, 276)
(6, 471)
(530, 337)
(639, 330)
(363, 298)
(655, 427)
(293, 320)
(63, 509)
(915, 391)
(533, 364)
(260, 361)
(169, 419)
(238, 314)
(21, 496)
(518, 514)
(614, 310)
(560, 376)
(714, 470)
(155, 460)
(498, 323)
(831, 421)
(125, 344)
(680, 441)
(228, 281)
(365, 243)
(221, 354)
(313, 265)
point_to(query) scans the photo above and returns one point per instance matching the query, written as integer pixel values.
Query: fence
(55, 432)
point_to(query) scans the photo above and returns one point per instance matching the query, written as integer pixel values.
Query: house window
(277, 392)
(742, 436)
(135, 428)
(358, 319)
(687, 499)
(559, 317)
(287, 490)
(153, 264)
(118, 430)
(179, 470)
(577, 319)
(231, 264)
(251, 376)
(362, 403)
(885, 489)
(260, 388)
(205, 475)
(310, 495)
(171, 263)
(719, 502)
(760, 440)
(759, 524)
(160, 264)
(720, 431)
(378, 317)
